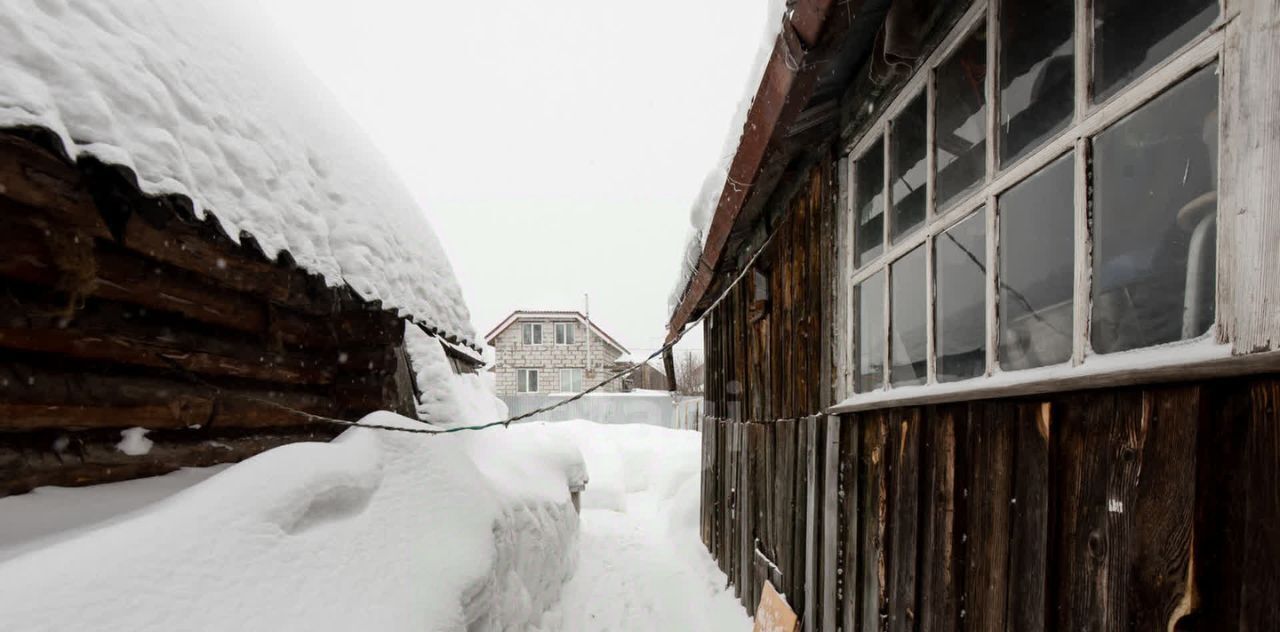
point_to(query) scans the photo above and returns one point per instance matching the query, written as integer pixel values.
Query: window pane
(526, 334)
(907, 142)
(1129, 37)
(1154, 219)
(870, 356)
(568, 333)
(868, 173)
(1036, 272)
(1037, 73)
(908, 315)
(961, 275)
(533, 381)
(960, 128)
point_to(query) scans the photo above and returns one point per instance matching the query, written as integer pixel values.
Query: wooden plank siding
(1121, 507)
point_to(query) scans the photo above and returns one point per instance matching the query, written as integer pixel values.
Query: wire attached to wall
(435, 430)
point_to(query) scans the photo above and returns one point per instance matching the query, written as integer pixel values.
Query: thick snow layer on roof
(201, 99)
(704, 205)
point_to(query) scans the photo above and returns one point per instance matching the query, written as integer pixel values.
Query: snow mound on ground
(375, 530)
(200, 99)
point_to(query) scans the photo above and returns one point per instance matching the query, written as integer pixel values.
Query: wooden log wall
(119, 309)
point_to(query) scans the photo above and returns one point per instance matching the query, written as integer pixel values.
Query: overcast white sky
(556, 145)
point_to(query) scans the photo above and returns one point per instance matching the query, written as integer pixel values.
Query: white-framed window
(527, 380)
(570, 380)
(531, 333)
(1077, 217)
(564, 333)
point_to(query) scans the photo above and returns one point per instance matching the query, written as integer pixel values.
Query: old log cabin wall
(121, 310)
(1103, 499)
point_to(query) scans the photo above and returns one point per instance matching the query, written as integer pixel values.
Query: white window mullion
(993, 283)
(1083, 241)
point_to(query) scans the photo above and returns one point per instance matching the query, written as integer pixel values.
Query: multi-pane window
(564, 333)
(531, 333)
(571, 380)
(1089, 227)
(527, 380)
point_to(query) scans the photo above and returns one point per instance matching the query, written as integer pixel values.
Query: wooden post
(830, 491)
(1249, 192)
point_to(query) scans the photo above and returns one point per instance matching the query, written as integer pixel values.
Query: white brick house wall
(548, 358)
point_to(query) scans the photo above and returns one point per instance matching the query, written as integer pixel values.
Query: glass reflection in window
(907, 144)
(868, 174)
(1155, 207)
(961, 273)
(1129, 37)
(1036, 73)
(870, 353)
(1036, 268)
(908, 315)
(960, 128)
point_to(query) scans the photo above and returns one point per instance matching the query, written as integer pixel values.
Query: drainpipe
(586, 298)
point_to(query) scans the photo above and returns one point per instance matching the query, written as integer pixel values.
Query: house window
(961, 272)
(870, 336)
(531, 333)
(869, 233)
(1036, 268)
(1155, 205)
(907, 310)
(564, 333)
(1036, 73)
(907, 142)
(571, 380)
(1088, 228)
(960, 128)
(527, 380)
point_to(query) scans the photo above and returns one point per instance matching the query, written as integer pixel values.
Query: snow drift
(199, 99)
(375, 530)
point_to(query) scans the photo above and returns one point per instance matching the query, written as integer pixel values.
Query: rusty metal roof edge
(800, 31)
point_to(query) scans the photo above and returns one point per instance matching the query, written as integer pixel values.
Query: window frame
(530, 327)
(568, 327)
(1089, 119)
(581, 379)
(522, 379)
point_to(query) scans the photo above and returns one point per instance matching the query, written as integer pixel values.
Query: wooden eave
(796, 107)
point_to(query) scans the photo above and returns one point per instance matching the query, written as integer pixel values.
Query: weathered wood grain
(937, 584)
(1029, 517)
(904, 511)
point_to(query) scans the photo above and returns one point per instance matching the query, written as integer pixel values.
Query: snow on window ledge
(1199, 358)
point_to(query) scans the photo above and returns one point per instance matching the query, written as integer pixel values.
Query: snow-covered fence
(688, 414)
(656, 408)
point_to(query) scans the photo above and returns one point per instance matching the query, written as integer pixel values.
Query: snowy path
(633, 576)
(641, 565)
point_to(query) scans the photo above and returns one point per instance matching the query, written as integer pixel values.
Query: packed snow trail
(641, 565)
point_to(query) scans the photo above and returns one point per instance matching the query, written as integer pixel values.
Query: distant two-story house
(548, 352)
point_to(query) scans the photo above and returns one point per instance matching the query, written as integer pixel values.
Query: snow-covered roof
(522, 314)
(203, 100)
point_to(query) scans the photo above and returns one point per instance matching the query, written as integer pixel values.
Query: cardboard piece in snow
(773, 614)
